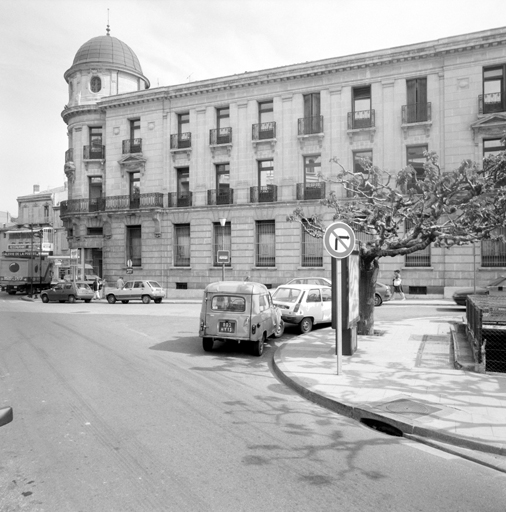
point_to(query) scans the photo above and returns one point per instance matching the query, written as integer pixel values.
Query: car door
(127, 292)
(138, 290)
(314, 304)
(326, 305)
(265, 313)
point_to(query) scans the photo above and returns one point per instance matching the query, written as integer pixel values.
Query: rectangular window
(183, 183)
(135, 128)
(492, 147)
(96, 143)
(135, 189)
(182, 245)
(493, 252)
(417, 110)
(312, 250)
(222, 241)
(494, 89)
(312, 122)
(95, 231)
(361, 107)
(415, 158)
(418, 258)
(134, 245)
(265, 172)
(266, 112)
(312, 167)
(265, 244)
(183, 123)
(361, 159)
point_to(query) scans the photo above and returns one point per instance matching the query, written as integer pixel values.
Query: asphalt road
(117, 408)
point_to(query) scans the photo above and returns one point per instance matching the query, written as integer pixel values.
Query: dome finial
(108, 29)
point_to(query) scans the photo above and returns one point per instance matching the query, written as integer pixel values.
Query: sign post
(339, 242)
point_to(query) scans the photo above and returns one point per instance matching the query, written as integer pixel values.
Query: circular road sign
(339, 240)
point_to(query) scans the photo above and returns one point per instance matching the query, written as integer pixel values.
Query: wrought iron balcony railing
(135, 201)
(265, 194)
(181, 140)
(311, 125)
(263, 131)
(94, 152)
(307, 191)
(416, 113)
(215, 197)
(180, 200)
(489, 103)
(132, 146)
(361, 119)
(219, 136)
(69, 155)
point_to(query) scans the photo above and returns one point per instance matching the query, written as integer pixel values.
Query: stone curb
(411, 431)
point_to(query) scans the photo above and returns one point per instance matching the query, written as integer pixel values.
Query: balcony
(490, 103)
(216, 197)
(93, 152)
(132, 146)
(180, 200)
(361, 119)
(266, 194)
(311, 125)
(263, 131)
(416, 113)
(181, 140)
(220, 136)
(87, 205)
(69, 155)
(310, 191)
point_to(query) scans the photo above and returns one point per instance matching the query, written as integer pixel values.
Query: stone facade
(318, 113)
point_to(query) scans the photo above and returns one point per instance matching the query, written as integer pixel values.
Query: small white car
(304, 304)
(145, 290)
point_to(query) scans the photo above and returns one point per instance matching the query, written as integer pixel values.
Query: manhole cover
(403, 406)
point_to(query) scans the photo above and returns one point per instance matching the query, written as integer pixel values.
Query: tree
(407, 212)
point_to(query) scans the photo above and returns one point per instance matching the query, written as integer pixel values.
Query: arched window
(95, 84)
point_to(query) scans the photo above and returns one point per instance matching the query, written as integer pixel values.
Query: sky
(178, 41)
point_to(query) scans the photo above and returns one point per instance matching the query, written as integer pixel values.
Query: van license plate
(226, 326)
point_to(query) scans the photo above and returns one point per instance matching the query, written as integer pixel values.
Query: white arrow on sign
(339, 240)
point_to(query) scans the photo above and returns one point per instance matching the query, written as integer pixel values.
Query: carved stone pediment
(490, 125)
(132, 163)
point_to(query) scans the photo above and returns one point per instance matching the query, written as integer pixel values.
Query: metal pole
(223, 248)
(40, 260)
(31, 260)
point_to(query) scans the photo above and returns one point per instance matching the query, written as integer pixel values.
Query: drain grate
(382, 427)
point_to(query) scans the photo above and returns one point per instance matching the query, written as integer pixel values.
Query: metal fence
(486, 326)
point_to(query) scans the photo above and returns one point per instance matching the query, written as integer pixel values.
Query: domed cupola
(103, 66)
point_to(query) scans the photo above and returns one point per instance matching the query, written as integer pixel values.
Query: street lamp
(223, 222)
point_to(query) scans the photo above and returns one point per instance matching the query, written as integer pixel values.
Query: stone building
(161, 179)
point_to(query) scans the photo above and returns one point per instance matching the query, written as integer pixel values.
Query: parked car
(67, 292)
(6, 415)
(304, 304)
(145, 290)
(382, 292)
(460, 296)
(239, 310)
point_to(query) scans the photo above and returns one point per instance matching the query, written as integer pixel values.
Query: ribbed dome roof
(108, 50)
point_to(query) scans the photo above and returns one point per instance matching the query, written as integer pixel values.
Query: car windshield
(228, 303)
(154, 284)
(286, 294)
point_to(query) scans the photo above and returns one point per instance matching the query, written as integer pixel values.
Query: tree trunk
(367, 285)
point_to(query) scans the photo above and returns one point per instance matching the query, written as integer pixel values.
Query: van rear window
(228, 303)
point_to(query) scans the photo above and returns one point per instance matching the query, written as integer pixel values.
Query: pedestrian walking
(103, 286)
(120, 283)
(397, 285)
(96, 289)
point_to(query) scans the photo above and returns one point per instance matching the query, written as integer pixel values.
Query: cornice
(420, 51)
(70, 112)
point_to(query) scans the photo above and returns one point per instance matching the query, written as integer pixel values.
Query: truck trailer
(25, 275)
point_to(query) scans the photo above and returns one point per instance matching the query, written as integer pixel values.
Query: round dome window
(95, 84)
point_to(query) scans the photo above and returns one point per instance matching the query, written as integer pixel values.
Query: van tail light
(254, 329)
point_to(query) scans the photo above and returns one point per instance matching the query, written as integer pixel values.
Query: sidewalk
(413, 376)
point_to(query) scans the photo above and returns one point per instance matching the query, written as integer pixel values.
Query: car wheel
(258, 346)
(279, 330)
(157, 301)
(45, 299)
(87, 300)
(71, 299)
(306, 325)
(125, 302)
(378, 301)
(111, 299)
(207, 344)
(12, 293)
(146, 299)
